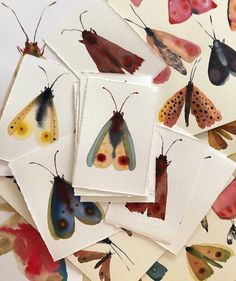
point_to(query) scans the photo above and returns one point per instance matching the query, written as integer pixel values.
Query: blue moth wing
(62, 270)
(87, 212)
(157, 271)
(97, 143)
(129, 146)
(60, 216)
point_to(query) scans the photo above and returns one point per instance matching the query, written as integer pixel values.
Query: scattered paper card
(182, 41)
(207, 256)
(35, 112)
(123, 256)
(114, 148)
(63, 221)
(88, 45)
(175, 181)
(215, 173)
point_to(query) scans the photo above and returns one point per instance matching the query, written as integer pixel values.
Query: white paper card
(139, 117)
(105, 57)
(37, 183)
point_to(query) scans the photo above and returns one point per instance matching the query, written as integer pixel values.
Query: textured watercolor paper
(181, 178)
(139, 116)
(178, 268)
(38, 200)
(106, 57)
(141, 251)
(215, 173)
(155, 15)
(30, 84)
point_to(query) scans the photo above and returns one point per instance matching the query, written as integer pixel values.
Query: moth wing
(168, 56)
(125, 154)
(86, 256)
(158, 208)
(110, 57)
(170, 112)
(179, 11)
(214, 252)
(232, 14)
(217, 72)
(87, 212)
(136, 2)
(199, 267)
(230, 55)
(48, 132)
(203, 109)
(104, 272)
(185, 49)
(61, 221)
(100, 152)
(215, 140)
(23, 125)
(202, 6)
(137, 207)
(230, 127)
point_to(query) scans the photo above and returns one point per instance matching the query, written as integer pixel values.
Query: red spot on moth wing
(203, 109)
(202, 6)
(179, 11)
(163, 76)
(170, 112)
(137, 207)
(104, 272)
(225, 204)
(111, 58)
(185, 49)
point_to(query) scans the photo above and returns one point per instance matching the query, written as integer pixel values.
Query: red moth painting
(158, 208)
(108, 56)
(29, 249)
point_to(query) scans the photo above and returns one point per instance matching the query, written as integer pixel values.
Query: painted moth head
(31, 48)
(161, 162)
(87, 35)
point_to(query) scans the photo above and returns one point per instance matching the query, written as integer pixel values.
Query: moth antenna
(206, 31)
(214, 35)
(22, 28)
(80, 19)
(112, 243)
(35, 163)
(111, 97)
(194, 68)
(134, 23)
(162, 145)
(44, 73)
(134, 93)
(57, 79)
(119, 257)
(55, 162)
(73, 29)
(172, 145)
(40, 18)
(138, 16)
